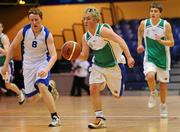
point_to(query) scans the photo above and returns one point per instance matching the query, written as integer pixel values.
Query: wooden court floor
(128, 114)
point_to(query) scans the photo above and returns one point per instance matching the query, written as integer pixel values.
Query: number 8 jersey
(34, 48)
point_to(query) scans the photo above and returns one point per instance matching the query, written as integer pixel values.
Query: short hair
(157, 5)
(2, 24)
(35, 11)
(94, 12)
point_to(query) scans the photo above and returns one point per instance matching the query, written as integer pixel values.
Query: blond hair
(94, 12)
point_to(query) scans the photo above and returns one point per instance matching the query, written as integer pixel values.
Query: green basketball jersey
(106, 53)
(2, 57)
(155, 52)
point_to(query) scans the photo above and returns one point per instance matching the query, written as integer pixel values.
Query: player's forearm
(169, 43)
(2, 51)
(125, 48)
(52, 62)
(83, 56)
(140, 37)
(8, 56)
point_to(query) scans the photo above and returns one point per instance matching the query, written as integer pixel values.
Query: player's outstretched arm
(85, 50)
(111, 35)
(17, 40)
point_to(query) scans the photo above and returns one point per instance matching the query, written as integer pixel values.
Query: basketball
(71, 50)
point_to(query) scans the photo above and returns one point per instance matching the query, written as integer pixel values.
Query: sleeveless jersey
(34, 49)
(155, 52)
(106, 53)
(2, 57)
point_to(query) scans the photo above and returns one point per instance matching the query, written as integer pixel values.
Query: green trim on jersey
(106, 25)
(97, 33)
(161, 24)
(2, 58)
(88, 36)
(148, 23)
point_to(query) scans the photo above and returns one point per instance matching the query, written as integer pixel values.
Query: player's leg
(53, 89)
(97, 106)
(97, 83)
(50, 104)
(163, 77)
(20, 94)
(163, 105)
(42, 85)
(150, 71)
(115, 78)
(8, 77)
(30, 91)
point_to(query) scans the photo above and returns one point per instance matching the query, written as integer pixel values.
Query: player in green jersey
(5, 80)
(108, 61)
(158, 39)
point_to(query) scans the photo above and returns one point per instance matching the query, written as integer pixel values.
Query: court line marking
(118, 116)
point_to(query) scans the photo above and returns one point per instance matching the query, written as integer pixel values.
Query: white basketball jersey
(34, 49)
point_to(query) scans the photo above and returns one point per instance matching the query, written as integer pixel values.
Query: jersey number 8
(34, 44)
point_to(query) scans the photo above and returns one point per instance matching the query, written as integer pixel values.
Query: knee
(150, 77)
(42, 88)
(94, 89)
(8, 85)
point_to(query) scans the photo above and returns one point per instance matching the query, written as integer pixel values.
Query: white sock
(154, 91)
(99, 113)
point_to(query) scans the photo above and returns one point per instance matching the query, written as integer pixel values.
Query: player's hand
(140, 49)
(42, 73)
(131, 62)
(4, 70)
(158, 38)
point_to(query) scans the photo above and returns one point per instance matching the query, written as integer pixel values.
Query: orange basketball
(71, 50)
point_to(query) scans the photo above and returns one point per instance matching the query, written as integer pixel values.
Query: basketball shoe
(53, 89)
(163, 111)
(21, 97)
(152, 99)
(100, 122)
(54, 122)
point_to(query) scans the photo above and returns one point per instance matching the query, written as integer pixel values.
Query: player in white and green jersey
(158, 39)
(6, 80)
(108, 61)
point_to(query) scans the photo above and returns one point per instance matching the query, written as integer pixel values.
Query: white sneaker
(21, 98)
(100, 122)
(152, 99)
(163, 111)
(55, 122)
(54, 91)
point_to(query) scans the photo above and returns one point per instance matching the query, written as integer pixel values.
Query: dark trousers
(78, 84)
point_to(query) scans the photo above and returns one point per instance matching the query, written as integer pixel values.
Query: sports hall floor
(128, 114)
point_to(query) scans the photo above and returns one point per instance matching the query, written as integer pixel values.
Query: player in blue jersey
(38, 57)
(158, 39)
